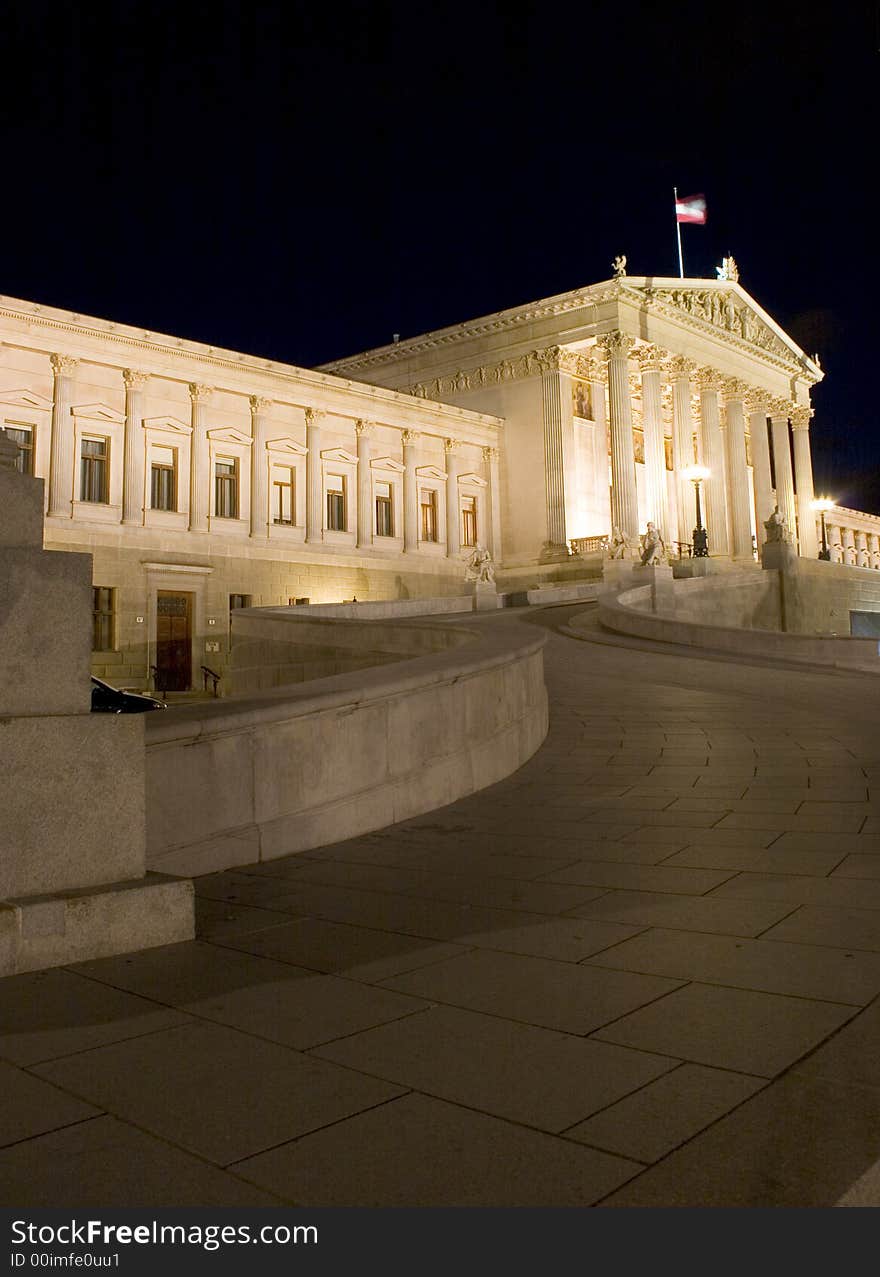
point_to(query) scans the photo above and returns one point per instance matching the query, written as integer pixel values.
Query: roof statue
(728, 270)
(619, 266)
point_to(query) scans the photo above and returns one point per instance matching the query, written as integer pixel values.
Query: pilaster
(200, 459)
(363, 430)
(410, 439)
(61, 458)
(314, 477)
(490, 465)
(133, 481)
(259, 465)
(453, 522)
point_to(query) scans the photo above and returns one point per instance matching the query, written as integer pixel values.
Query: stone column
(133, 493)
(680, 371)
(862, 557)
(848, 545)
(803, 478)
(62, 460)
(453, 523)
(757, 404)
(714, 488)
(410, 492)
(556, 545)
(363, 430)
(624, 499)
(493, 499)
(874, 548)
(782, 464)
(314, 477)
(259, 465)
(832, 536)
(737, 470)
(651, 364)
(200, 478)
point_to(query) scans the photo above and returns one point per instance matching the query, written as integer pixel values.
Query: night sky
(301, 181)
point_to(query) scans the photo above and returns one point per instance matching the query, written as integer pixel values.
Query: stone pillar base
(779, 554)
(486, 596)
(553, 552)
(683, 569)
(659, 577)
(617, 573)
(75, 926)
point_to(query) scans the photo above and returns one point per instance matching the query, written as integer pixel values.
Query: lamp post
(697, 474)
(822, 504)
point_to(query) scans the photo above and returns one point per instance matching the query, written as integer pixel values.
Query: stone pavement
(644, 970)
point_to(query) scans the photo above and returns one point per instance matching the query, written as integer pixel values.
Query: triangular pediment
(430, 472)
(724, 305)
(476, 479)
(339, 455)
(227, 434)
(170, 425)
(98, 412)
(288, 445)
(25, 399)
(387, 463)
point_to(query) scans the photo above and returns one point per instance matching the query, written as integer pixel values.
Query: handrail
(209, 673)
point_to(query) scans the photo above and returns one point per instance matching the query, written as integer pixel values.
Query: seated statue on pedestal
(653, 546)
(776, 527)
(618, 547)
(480, 567)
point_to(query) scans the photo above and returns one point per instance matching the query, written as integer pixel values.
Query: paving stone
(215, 1092)
(841, 928)
(795, 969)
(844, 843)
(815, 863)
(217, 918)
(556, 995)
(829, 892)
(858, 867)
(641, 877)
(107, 1164)
(657, 1118)
(691, 913)
(527, 1074)
(32, 1107)
(564, 939)
(737, 1029)
(851, 1054)
(420, 1150)
(706, 837)
(45, 1014)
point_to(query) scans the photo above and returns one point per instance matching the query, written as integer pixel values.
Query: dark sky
(301, 181)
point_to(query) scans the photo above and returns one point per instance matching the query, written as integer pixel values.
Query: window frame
(231, 461)
(88, 465)
(104, 617)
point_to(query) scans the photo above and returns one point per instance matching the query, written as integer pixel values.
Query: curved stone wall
(255, 777)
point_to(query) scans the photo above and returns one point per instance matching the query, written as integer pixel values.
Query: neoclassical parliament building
(201, 479)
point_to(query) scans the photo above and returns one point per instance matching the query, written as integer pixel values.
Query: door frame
(178, 578)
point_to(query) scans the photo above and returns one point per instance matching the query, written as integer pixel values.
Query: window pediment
(25, 399)
(387, 463)
(170, 425)
(228, 434)
(476, 480)
(339, 456)
(287, 446)
(98, 412)
(430, 472)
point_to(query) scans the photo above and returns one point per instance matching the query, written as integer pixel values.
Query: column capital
(616, 345)
(549, 359)
(757, 400)
(63, 365)
(409, 437)
(734, 389)
(651, 359)
(490, 454)
(681, 369)
(314, 416)
(800, 416)
(780, 409)
(709, 379)
(364, 428)
(133, 379)
(198, 391)
(259, 404)
(451, 445)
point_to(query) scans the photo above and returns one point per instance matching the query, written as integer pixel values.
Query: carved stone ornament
(799, 416)
(480, 567)
(681, 369)
(259, 404)
(135, 380)
(651, 359)
(198, 391)
(363, 428)
(728, 269)
(619, 266)
(653, 546)
(734, 389)
(710, 379)
(758, 401)
(617, 345)
(63, 365)
(410, 438)
(314, 416)
(451, 445)
(490, 455)
(776, 527)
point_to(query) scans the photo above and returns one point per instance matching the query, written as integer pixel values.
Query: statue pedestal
(617, 574)
(486, 596)
(659, 577)
(779, 554)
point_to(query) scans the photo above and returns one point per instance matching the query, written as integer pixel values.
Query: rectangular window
(384, 513)
(239, 600)
(23, 437)
(469, 520)
(94, 470)
(163, 479)
(282, 494)
(428, 506)
(103, 618)
(336, 503)
(226, 488)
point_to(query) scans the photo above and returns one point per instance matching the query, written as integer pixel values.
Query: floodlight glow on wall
(822, 504)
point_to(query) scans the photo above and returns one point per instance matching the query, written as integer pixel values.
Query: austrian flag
(691, 209)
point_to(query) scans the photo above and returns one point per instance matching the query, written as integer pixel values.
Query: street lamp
(697, 474)
(822, 504)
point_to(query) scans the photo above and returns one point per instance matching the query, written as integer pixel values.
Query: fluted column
(61, 458)
(680, 372)
(714, 488)
(862, 559)
(651, 364)
(200, 479)
(314, 477)
(624, 498)
(803, 479)
(765, 500)
(453, 522)
(410, 492)
(782, 464)
(363, 430)
(493, 494)
(556, 544)
(133, 456)
(737, 470)
(835, 541)
(259, 465)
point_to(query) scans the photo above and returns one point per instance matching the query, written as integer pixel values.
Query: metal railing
(588, 545)
(212, 674)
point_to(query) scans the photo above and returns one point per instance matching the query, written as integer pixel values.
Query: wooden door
(173, 641)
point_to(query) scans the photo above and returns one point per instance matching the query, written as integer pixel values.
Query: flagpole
(678, 233)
